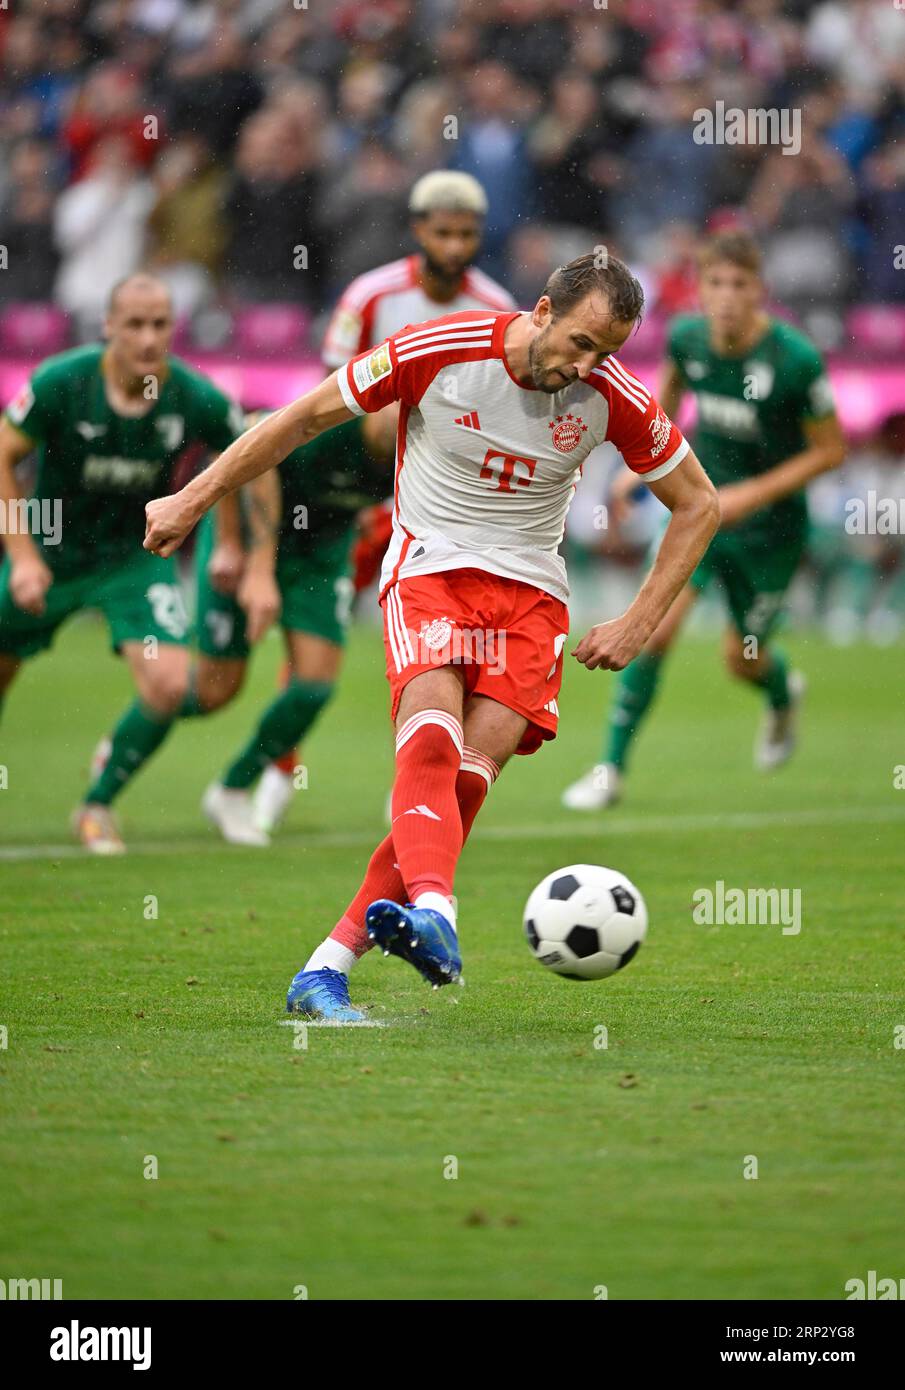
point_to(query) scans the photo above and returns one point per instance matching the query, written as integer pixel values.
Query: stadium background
(241, 147)
(135, 1034)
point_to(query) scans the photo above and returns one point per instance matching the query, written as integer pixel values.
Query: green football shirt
(102, 467)
(751, 414)
(324, 484)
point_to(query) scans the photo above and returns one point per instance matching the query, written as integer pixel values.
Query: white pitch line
(569, 827)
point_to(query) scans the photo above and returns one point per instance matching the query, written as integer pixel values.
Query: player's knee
(8, 668)
(165, 689)
(218, 688)
(738, 663)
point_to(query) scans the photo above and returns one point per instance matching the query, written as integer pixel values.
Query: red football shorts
(507, 636)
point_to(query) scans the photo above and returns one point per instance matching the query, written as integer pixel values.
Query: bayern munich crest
(436, 634)
(567, 432)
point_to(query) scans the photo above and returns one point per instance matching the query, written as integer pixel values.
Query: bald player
(108, 422)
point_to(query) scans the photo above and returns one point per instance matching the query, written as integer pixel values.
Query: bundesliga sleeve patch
(372, 368)
(346, 328)
(21, 404)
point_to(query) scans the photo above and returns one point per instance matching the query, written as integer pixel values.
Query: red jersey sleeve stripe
(629, 381)
(444, 330)
(637, 400)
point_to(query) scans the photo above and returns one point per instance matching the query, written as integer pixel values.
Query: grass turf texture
(577, 1166)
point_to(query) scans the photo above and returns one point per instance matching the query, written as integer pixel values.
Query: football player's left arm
(825, 450)
(692, 499)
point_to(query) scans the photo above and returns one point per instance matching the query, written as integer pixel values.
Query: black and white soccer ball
(585, 922)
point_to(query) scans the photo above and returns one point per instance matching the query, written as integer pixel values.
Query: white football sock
(438, 903)
(332, 955)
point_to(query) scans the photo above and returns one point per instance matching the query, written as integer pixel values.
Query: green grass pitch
(578, 1166)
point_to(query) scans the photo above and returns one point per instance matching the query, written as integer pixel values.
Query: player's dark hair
(596, 273)
(738, 248)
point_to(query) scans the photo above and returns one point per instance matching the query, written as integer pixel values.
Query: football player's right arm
(170, 519)
(30, 577)
(670, 393)
(259, 593)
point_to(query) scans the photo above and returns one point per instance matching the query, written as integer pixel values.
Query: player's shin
(773, 679)
(634, 694)
(283, 725)
(427, 824)
(138, 734)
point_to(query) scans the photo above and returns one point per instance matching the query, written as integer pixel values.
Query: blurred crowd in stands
(214, 137)
(261, 151)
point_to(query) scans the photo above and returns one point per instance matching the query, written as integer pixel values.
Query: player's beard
(541, 375)
(442, 272)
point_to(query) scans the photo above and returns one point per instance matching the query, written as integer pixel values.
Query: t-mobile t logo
(508, 470)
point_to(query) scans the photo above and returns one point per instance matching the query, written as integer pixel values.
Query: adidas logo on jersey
(469, 421)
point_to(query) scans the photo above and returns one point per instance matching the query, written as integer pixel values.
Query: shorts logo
(660, 429)
(567, 432)
(370, 369)
(436, 634)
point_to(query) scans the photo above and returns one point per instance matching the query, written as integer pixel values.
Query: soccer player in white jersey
(447, 211)
(497, 413)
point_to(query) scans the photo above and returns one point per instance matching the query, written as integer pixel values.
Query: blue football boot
(421, 936)
(324, 995)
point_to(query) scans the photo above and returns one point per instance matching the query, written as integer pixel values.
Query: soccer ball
(585, 922)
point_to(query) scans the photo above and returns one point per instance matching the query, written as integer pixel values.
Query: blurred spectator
(566, 147)
(109, 103)
(187, 232)
(270, 212)
(211, 90)
(491, 145)
(27, 220)
(523, 34)
(100, 230)
(417, 133)
(363, 215)
(363, 101)
(884, 213)
(579, 121)
(799, 204)
(675, 270)
(860, 571)
(667, 176)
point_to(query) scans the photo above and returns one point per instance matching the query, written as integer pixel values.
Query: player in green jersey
(108, 422)
(766, 426)
(296, 534)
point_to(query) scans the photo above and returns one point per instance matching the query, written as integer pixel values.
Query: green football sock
(137, 735)
(634, 693)
(282, 726)
(775, 681)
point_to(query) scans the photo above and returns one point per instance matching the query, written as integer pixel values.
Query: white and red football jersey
(485, 466)
(384, 300)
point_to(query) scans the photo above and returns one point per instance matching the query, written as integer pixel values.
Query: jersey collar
(496, 342)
